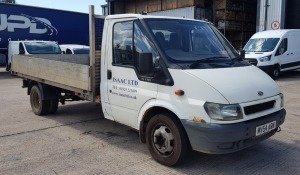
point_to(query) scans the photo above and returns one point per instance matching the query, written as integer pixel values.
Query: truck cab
(179, 78)
(29, 47)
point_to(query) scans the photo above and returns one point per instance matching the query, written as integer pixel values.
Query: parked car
(274, 51)
(74, 49)
(29, 47)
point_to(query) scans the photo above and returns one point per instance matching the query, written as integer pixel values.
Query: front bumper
(267, 69)
(227, 138)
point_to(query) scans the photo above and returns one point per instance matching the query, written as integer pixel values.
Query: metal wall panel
(187, 12)
(292, 14)
(275, 15)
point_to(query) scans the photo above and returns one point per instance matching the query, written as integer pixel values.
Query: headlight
(265, 59)
(281, 100)
(223, 112)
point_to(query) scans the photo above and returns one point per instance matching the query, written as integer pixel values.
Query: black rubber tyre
(7, 66)
(275, 72)
(166, 140)
(53, 105)
(39, 106)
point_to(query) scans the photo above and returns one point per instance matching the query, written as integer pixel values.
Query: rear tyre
(275, 72)
(166, 140)
(39, 106)
(53, 105)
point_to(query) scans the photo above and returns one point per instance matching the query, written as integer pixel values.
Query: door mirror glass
(242, 54)
(145, 64)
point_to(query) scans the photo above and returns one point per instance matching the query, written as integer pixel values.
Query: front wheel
(275, 72)
(166, 140)
(39, 106)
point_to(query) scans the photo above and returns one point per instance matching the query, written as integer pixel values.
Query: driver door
(126, 88)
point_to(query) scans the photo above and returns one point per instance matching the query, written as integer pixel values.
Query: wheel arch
(47, 92)
(31, 83)
(151, 109)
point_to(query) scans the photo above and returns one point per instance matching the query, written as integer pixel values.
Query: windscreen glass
(42, 48)
(261, 45)
(81, 51)
(186, 42)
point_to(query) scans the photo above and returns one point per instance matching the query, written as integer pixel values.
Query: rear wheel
(39, 106)
(166, 140)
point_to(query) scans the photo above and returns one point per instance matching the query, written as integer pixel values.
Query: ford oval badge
(260, 93)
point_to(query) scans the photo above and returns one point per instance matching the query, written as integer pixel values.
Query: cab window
(282, 47)
(68, 51)
(130, 41)
(122, 43)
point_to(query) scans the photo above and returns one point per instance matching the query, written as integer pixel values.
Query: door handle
(109, 74)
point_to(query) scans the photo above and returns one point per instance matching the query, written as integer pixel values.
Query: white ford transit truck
(274, 51)
(178, 82)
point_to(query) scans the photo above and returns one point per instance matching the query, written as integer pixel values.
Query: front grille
(252, 61)
(259, 107)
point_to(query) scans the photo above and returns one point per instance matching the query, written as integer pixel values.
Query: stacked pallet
(236, 19)
(138, 6)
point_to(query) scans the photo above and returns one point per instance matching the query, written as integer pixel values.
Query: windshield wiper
(205, 60)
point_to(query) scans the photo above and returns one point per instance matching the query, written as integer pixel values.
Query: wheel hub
(163, 140)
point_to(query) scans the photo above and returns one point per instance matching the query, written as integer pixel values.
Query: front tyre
(39, 106)
(275, 72)
(166, 140)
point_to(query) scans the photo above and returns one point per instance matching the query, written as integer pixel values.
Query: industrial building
(238, 20)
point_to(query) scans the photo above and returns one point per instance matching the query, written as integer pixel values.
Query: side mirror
(144, 63)
(242, 54)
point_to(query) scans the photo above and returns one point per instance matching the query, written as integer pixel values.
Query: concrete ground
(78, 140)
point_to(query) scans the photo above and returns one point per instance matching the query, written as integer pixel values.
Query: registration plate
(262, 129)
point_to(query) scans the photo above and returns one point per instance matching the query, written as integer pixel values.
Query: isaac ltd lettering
(125, 81)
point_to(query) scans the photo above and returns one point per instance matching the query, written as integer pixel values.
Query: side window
(142, 43)
(122, 43)
(282, 47)
(144, 46)
(68, 51)
(21, 49)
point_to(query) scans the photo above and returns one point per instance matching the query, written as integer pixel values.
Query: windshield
(261, 45)
(81, 51)
(185, 41)
(42, 48)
